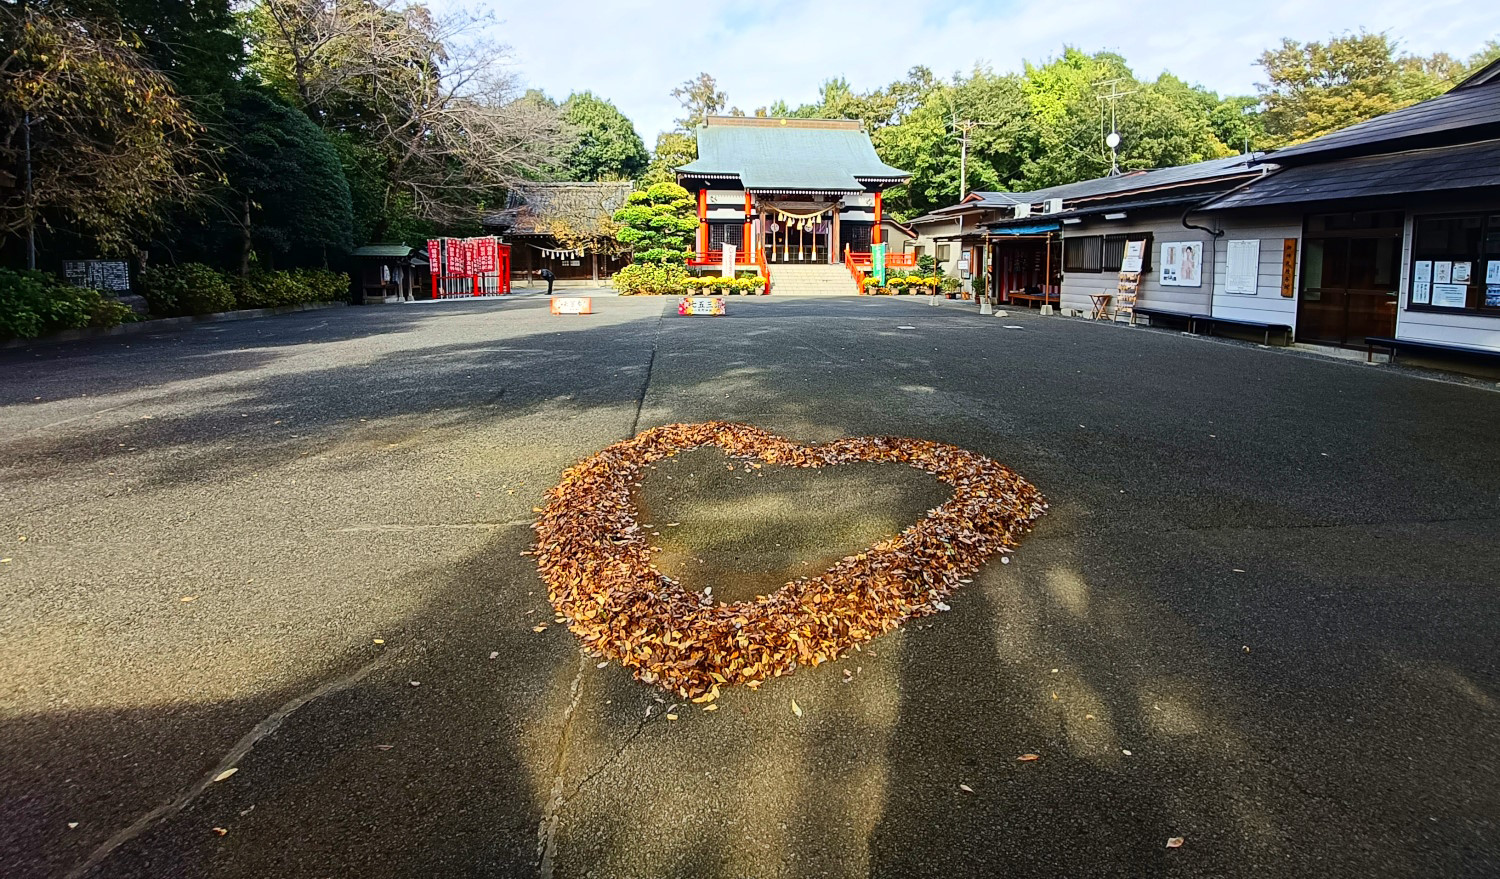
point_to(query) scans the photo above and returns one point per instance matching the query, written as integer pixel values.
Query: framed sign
(1242, 267)
(1135, 255)
(1182, 264)
(710, 306)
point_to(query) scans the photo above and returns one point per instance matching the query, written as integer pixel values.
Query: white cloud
(634, 53)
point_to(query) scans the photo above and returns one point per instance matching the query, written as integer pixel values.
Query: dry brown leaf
(671, 717)
(965, 788)
(796, 709)
(596, 561)
(225, 774)
(1028, 758)
(540, 628)
(221, 831)
(1175, 842)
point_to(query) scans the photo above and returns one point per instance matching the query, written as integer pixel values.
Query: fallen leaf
(384, 747)
(540, 628)
(184, 599)
(965, 788)
(72, 825)
(225, 774)
(494, 654)
(4, 561)
(796, 709)
(1088, 717)
(379, 640)
(714, 707)
(415, 683)
(671, 717)
(602, 664)
(1028, 758)
(1125, 751)
(1175, 842)
(221, 831)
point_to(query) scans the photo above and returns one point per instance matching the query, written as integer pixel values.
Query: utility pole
(30, 217)
(1112, 140)
(964, 127)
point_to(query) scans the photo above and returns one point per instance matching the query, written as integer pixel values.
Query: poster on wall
(1461, 272)
(1182, 264)
(1450, 295)
(1442, 272)
(1242, 270)
(1492, 272)
(1135, 256)
(1421, 292)
(1492, 295)
(1423, 271)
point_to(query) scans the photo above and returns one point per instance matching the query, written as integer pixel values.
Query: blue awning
(1034, 229)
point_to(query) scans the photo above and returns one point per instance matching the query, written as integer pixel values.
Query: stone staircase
(810, 279)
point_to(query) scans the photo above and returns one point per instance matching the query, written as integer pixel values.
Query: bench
(1394, 345)
(1267, 328)
(1161, 314)
(1040, 298)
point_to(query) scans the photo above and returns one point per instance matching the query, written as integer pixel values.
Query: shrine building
(796, 190)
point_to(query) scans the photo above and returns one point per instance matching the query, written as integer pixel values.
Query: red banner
(457, 265)
(435, 256)
(489, 250)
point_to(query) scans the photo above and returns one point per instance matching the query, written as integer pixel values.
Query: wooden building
(565, 228)
(795, 190)
(1399, 224)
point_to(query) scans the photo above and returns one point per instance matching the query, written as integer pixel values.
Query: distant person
(549, 278)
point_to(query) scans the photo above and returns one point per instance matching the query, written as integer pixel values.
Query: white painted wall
(1077, 287)
(1267, 305)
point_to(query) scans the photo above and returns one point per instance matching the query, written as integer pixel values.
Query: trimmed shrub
(650, 279)
(34, 304)
(191, 288)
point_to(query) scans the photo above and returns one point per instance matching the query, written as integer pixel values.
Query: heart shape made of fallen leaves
(596, 561)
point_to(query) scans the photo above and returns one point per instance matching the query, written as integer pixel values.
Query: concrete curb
(167, 323)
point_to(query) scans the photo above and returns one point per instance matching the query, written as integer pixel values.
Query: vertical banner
(455, 254)
(435, 256)
(877, 263)
(727, 266)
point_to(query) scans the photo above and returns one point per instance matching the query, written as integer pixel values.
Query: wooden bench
(1212, 322)
(1440, 348)
(1039, 298)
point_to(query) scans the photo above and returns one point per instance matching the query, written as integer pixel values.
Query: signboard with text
(710, 306)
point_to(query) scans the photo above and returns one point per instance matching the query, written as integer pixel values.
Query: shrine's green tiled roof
(790, 155)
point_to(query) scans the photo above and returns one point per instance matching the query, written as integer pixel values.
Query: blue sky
(635, 51)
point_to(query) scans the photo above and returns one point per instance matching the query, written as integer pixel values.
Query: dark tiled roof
(1430, 170)
(796, 155)
(1471, 111)
(583, 206)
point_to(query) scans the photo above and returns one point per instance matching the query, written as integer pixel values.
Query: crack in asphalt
(547, 828)
(266, 727)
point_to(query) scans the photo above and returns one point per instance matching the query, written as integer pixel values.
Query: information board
(710, 306)
(1242, 270)
(572, 305)
(110, 275)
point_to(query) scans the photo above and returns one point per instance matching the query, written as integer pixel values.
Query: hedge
(34, 304)
(194, 288)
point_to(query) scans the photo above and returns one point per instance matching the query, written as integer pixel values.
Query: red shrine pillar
(703, 223)
(875, 233)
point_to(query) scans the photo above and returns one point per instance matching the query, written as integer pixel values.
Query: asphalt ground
(1261, 614)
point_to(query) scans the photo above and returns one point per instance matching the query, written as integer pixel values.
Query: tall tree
(1314, 88)
(112, 145)
(441, 124)
(607, 146)
(288, 188)
(700, 98)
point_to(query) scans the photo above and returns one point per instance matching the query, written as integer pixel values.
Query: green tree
(700, 98)
(287, 183)
(113, 147)
(197, 43)
(607, 145)
(1314, 88)
(673, 150)
(658, 224)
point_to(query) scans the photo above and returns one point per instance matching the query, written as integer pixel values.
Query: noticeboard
(109, 275)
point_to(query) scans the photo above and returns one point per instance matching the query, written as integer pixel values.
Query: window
(1083, 253)
(943, 252)
(1455, 264)
(919, 249)
(721, 233)
(1114, 251)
